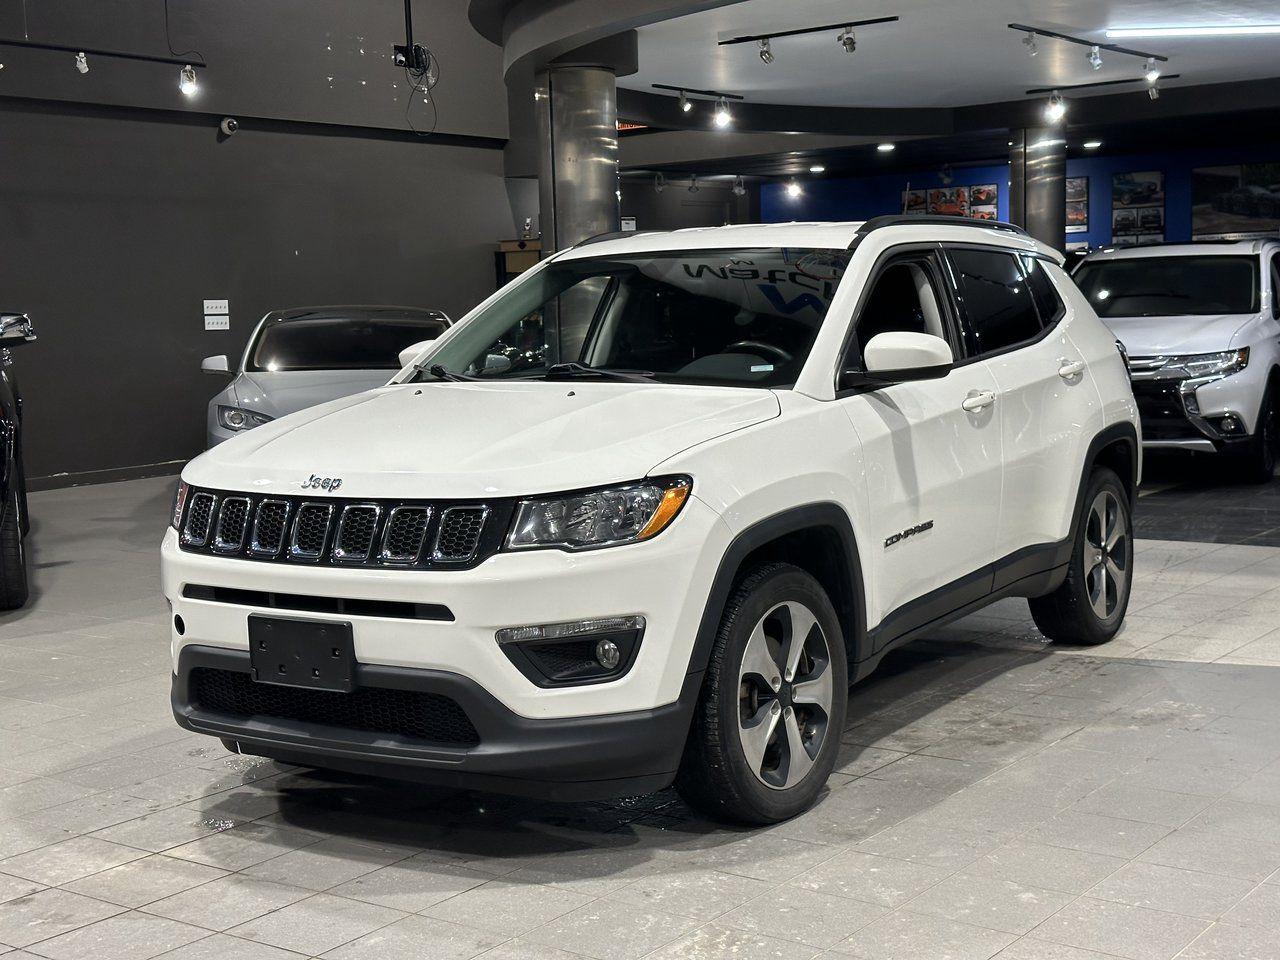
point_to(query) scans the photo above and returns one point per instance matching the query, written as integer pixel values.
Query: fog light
(608, 655)
(1230, 424)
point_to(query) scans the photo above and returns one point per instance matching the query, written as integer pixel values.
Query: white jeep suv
(646, 512)
(1201, 324)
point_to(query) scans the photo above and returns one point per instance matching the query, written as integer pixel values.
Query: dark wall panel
(114, 228)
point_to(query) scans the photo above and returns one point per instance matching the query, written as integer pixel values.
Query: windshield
(351, 341)
(739, 317)
(1170, 286)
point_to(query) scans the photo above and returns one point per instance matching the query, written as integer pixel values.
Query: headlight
(607, 517)
(236, 418)
(179, 501)
(1208, 364)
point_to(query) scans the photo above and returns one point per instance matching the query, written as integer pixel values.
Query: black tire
(715, 776)
(13, 558)
(1258, 465)
(1085, 609)
(25, 526)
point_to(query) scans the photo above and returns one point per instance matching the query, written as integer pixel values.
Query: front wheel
(13, 558)
(1259, 462)
(1088, 608)
(767, 726)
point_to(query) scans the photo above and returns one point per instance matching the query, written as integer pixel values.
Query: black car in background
(15, 329)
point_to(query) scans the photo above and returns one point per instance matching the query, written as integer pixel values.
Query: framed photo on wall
(1243, 198)
(1137, 207)
(1077, 204)
(915, 202)
(984, 201)
(949, 201)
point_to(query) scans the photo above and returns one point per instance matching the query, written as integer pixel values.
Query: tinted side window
(1275, 286)
(998, 306)
(1043, 291)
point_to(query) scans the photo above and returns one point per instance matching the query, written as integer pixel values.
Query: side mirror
(15, 328)
(496, 363)
(898, 357)
(217, 365)
(409, 354)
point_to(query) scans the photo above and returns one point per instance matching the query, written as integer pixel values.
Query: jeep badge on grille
(322, 483)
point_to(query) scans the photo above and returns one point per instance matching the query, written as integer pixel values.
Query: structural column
(1038, 184)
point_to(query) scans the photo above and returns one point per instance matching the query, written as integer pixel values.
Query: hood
(1176, 336)
(472, 440)
(288, 391)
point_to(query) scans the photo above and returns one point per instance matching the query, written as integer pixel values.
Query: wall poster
(1243, 198)
(1137, 208)
(949, 201)
(984, 201)
(1077, 204)
(914, 202)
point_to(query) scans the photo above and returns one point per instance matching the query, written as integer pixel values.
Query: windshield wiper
(574, 370)
(440, 373)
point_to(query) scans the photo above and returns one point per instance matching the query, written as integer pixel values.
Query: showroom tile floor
(996, 797)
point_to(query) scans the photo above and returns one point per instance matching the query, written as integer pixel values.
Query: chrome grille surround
(270, 523)
(405, 534)
(310, 531)
(458, 534)
(199, 520)
(357, 526)
(232, 525)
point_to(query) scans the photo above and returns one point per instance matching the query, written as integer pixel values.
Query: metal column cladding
(1038, 195)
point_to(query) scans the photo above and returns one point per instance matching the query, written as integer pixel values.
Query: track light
(766, 55)
(886, 147)
(82, 62)
(693, 183)
(1151, 72)
(659, 182)
(945, 175)
(817, 168)
(723, 117)
(685, 103)
(1153, 91)
(1092, 144)
(1029, 41)
(848, 40)
(1095, 57)
(187, 81)
(793, 189)
(1056, 108)
(739, 187)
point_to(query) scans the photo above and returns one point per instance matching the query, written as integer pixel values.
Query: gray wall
(675, 207)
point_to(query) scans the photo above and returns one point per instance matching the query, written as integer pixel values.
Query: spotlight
(693, 183)
(1029, 41)
(766, 55)
(685, 104)
(739, 187)
(1092, 144)
(1056, 108)
(1095, 57)
(945, 175)
(82, 62)
(886, 147)
(1151, 72)
(817, 168)
(793, 190)
(659, 182)
(848, 40)
(723, 117)
(1153, 91)
(187, 81)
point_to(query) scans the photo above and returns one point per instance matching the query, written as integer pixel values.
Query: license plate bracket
(292, 652)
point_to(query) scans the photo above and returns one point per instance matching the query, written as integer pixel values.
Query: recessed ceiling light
(886, 147)
(1223, 30)
(1092, 144)
(817, 168)
(793, 189)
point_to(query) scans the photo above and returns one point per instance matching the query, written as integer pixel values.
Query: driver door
(932, 457)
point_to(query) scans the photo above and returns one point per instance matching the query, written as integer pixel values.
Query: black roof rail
(611, 235)
(908, 219)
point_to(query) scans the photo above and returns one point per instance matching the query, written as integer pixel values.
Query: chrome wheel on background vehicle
(784, 695)
(1106, 554)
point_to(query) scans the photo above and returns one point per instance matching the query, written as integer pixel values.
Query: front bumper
(563, 759)
(1190, 415)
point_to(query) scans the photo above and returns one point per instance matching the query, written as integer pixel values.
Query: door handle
(1070, 368)
(978, 400)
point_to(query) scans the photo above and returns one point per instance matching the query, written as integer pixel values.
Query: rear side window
(1043, 291)
(999, 309)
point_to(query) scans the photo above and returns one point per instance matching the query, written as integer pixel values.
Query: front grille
(338, 532)
(1161, 411)
(403, 714)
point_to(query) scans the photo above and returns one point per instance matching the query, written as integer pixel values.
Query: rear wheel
(767, 726)
(1089, 607)
(13, 558)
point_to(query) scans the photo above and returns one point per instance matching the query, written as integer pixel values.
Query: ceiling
(940, 54)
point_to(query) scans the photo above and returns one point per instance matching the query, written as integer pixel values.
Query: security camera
(229, 125)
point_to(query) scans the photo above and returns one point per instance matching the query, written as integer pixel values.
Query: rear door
(932, 466)
(1015, 324)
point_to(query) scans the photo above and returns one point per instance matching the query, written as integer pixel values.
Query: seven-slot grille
(342, 533)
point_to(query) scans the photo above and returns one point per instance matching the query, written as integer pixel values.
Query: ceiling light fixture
(1092, 144)
(685, 103)
(886, 147)
(739, 187)
(1151, 72)
(82, 62)
(1095, 57)
(187, 81)
(848, 40)
(1223, 30)
(1029, 41)
(817, 168)
(1056, 109)
(659, 182)
(723, 117)
(693, 183)
(1153, 91)
(945, 175)
(766, 54)
(793, 190)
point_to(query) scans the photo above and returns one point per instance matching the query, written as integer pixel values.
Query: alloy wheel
(1106, 554)
(784, 695)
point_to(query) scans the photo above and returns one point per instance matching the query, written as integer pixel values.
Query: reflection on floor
(1197, 498)
(996, 796)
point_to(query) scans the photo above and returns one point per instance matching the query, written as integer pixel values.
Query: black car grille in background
(1161, 411)
(407, 714)
(372, 533)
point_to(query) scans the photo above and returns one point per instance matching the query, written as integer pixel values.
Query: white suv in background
(763, 457)
(1201, 324)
